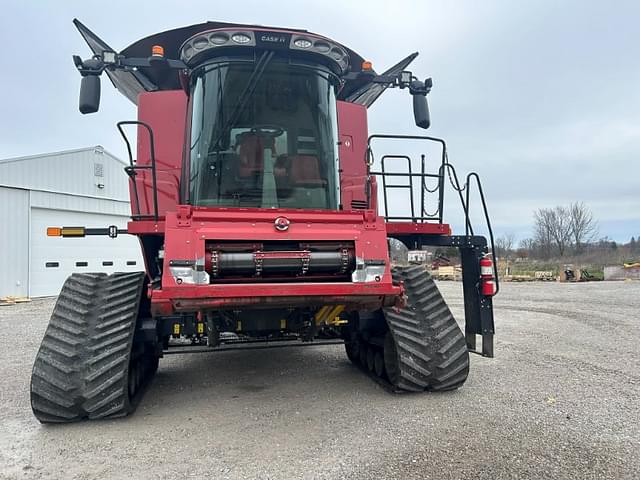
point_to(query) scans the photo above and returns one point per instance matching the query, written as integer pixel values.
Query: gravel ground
(560, 400)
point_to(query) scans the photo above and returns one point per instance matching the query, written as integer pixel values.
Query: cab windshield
(263, 135)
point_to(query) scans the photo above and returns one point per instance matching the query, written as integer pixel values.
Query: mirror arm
(400, 80)
(127, 63)
(97, 64)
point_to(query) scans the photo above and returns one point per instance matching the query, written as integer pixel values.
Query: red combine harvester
(254, 194)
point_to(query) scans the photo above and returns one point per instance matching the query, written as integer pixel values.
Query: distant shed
(83, 187)
(618, 272)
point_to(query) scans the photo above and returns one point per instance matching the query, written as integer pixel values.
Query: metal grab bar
(470, 176)
(132, 168)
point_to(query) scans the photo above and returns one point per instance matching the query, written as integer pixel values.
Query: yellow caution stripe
(329, 315)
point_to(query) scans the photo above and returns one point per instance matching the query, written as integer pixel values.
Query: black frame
(478, 307)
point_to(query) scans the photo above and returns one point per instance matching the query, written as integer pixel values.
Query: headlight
(322, 47)
(302, 43)
(240, 38)
(189, 272)
(368, 270)
(108, 57)
(219, 38)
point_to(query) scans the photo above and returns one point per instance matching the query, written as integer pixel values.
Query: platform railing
(445, 170)
(391, 180)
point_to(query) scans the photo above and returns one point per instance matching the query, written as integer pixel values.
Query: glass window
(263, 135)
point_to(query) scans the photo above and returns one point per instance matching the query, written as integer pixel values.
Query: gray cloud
(541, 98)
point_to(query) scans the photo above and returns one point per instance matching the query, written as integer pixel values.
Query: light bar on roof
(204, 44)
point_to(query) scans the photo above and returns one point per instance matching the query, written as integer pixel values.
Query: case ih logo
(282, 224)
(270, 38)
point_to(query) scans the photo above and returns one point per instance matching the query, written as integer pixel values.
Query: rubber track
(81, 369)
(431, 352)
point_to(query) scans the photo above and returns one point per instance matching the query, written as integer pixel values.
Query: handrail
(455, 184)
(133, 167)
(445, 169)
(474, 175)
(424, 215)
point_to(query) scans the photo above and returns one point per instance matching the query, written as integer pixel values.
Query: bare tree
(542, 230)
(527, 248)
(528, 244)
(584, 228)
(553, 228)
(561, 231)
(504, 244)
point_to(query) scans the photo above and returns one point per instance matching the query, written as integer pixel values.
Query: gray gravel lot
(560, 400)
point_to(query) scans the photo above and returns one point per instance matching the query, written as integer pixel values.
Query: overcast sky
(542, 98)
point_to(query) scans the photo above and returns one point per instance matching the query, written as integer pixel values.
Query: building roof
(89, 172)
(37, 156)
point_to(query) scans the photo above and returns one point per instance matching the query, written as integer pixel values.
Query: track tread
(431, 350)
(81, 369)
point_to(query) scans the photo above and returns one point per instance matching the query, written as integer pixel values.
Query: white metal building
(85, 187)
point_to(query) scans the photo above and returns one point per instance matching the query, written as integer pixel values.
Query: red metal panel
(196, 297)
(189, 229)
(143, 227)
(407, 228)
(352, 126)
(166, 113)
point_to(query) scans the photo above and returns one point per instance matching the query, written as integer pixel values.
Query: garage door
(53, 259)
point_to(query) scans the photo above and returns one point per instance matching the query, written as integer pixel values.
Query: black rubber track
(424, 349)
(429, 349)
(84, 367)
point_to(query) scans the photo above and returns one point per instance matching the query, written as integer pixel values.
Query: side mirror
(421, 111)
(419, 91)
(89, 94)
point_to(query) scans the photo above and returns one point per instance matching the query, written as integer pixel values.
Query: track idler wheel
(353, 350)
(362, 353)
(88, 365)
(370, 356)
(391, 361)
(378, 364)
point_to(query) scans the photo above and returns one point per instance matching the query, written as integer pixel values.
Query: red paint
(352, 124)
(194, 297)
(165, 112)
(187, 230)
(408, 228)
(488, 286)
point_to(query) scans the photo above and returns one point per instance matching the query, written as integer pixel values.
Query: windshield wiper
(252, 83)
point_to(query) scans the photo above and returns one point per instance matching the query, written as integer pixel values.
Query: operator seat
(251, 151)
(307, 187)
(256, 176)
(305, 171)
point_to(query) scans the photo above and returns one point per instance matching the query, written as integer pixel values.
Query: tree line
(557, 231)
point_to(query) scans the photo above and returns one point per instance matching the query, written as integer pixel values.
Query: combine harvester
(255, 198)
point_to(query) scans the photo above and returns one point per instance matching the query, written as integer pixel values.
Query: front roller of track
(423, 348)
(88, 366)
